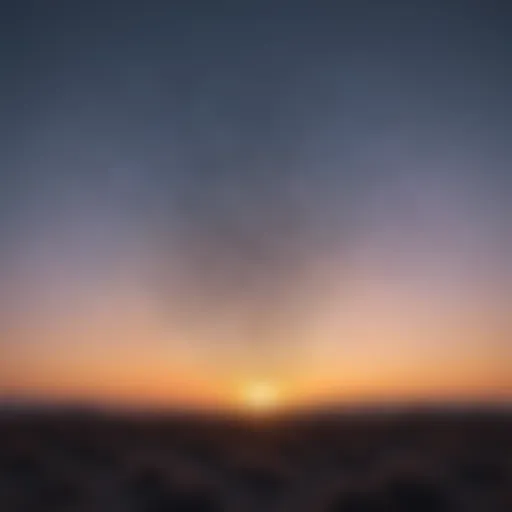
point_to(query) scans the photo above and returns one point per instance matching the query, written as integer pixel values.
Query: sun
(260, 396)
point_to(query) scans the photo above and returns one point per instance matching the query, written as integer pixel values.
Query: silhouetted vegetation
(435, 462)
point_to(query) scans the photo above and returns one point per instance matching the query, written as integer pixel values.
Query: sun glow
(260, 396)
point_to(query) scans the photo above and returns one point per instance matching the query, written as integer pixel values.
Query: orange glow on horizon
(129, 363)
(154, 386)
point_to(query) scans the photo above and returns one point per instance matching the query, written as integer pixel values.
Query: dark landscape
(422, 461)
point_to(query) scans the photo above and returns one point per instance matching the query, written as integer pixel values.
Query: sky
(195, 195)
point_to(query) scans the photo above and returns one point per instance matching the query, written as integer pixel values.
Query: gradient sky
(316, 195)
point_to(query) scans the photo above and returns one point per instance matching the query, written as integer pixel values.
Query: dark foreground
(355, 463)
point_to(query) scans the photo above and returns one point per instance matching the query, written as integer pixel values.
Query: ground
(418, 462)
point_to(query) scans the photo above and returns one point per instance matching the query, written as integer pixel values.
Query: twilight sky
(314, 194)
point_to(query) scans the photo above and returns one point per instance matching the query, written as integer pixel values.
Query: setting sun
(260, 396)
